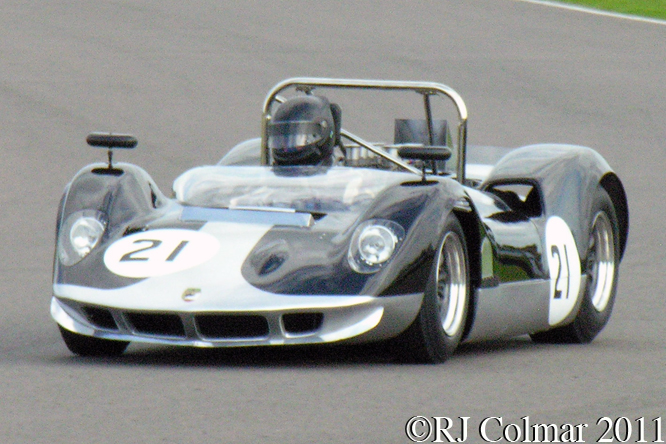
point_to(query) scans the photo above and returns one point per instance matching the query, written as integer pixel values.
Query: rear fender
(568, 177)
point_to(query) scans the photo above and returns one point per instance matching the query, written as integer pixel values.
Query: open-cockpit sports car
(311, 234)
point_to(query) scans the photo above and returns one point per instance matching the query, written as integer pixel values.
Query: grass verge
(645, 8)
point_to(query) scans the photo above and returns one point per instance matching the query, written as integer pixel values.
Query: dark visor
(287, 135)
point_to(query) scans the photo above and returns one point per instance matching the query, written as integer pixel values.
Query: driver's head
(302, 132)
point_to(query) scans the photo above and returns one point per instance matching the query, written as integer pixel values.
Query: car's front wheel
(89, 346)
(439, 326)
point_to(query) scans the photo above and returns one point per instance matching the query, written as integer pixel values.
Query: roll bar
(307, 84)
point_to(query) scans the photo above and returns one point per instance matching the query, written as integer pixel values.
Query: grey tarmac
(188, 79)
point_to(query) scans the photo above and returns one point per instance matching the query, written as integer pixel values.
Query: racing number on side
(564, 269)
(561, 280)
(153, 244)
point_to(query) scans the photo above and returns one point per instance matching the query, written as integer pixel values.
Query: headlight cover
(373, 244)
(80, 233)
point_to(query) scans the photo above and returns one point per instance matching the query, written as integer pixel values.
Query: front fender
(125, 196)
(290, 260)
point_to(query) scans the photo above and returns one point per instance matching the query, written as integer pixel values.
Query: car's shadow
(288, 356)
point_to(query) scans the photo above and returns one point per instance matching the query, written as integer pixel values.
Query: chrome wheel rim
(601, 262)
(451, 284)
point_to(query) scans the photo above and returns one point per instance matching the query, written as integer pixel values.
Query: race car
(311, 234)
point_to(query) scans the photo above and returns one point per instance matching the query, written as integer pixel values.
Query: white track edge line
(596, 11)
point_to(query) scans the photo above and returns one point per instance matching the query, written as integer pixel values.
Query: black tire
(601, 267)
(89, 346)
(438, 328)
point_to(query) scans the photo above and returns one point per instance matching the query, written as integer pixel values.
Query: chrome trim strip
(510, 309)
(313, 82)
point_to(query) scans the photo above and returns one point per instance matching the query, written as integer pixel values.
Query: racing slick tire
(601, 268)
(89, 346)
(438, 328)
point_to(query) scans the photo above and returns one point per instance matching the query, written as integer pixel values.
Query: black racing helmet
(302, 131)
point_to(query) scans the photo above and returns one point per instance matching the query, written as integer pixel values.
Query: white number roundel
(564, 267)
(159, 252)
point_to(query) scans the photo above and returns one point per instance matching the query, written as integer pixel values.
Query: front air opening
(215, 326)
(100, 317)
(302, 323)
(156, 324)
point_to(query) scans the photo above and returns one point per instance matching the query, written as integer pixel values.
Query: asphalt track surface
(188, 78)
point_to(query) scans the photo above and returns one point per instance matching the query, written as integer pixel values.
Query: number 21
(132, 255)
(555, 254)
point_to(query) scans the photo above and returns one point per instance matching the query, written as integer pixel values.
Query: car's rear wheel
(89, 346)
(439, 326)
(601, 265)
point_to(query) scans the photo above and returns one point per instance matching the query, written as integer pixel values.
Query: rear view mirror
(110, 140)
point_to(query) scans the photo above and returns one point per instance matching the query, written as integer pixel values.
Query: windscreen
(303, 188)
